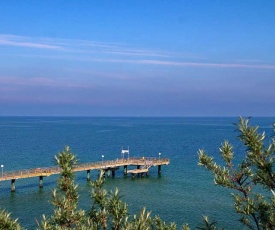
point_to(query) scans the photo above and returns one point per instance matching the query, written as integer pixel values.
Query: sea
(183, 193)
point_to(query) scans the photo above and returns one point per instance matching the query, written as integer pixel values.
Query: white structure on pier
(125, 151)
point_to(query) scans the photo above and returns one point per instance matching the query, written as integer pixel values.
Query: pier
(142, 164)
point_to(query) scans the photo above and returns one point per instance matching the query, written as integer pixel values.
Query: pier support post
(138, 166)
(88, 175)
(113, 173)
(40, 181)
(125, 170)
(159, 169)
(108, 173)
(13, 185)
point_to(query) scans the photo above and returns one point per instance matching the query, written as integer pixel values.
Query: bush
(252, 180)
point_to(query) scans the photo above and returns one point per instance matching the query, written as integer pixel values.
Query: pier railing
(47, 171)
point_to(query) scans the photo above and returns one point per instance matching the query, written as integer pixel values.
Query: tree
(65, 197)
(107, 208)
(252, 180)
(6, 222)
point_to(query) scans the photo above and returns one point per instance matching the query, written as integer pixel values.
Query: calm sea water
(183, 193)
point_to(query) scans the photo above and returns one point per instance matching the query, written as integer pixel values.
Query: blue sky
(129, 58)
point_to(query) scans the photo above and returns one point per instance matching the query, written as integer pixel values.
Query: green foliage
(110, 212)
(65, 198)
(6, 222)
(207, 225)
(162, 225)
(107, 208)
(252, 180)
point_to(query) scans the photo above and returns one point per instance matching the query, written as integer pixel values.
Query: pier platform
(142, 164)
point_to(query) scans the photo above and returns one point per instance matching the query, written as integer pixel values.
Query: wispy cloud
(40, 81)
(157, 62)
(12, 40)
(184, 64)
(91, 51)
(84, 46)
(202, 64)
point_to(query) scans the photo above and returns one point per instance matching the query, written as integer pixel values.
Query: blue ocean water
(183, 193)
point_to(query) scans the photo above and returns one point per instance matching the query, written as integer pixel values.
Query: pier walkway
(142, 165)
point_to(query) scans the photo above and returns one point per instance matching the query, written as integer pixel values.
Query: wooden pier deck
(143, 164)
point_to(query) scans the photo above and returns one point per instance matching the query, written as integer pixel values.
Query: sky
(137, 58)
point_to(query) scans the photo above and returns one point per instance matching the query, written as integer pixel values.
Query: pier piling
(40, 181)
(125, 170)
(159, 169)
(12, 185)
(88, 175)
